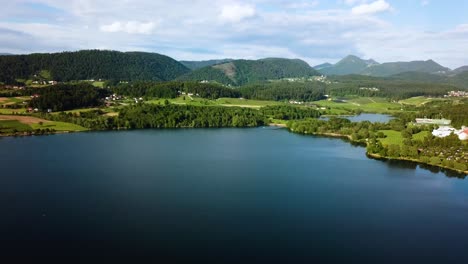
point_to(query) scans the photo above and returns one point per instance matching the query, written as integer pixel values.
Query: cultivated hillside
(240, 72)
(91, 64)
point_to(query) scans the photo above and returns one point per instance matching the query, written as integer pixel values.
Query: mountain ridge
(352, 64)
(240, 72)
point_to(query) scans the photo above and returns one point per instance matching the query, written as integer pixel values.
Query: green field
(59, 126)
(98, 84)
(9, 126)
(198, 101)
(395, 137)
(366, 104)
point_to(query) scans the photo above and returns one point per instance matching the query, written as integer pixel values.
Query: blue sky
(314, 30)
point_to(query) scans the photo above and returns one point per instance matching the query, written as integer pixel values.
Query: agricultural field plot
(229, 102)
(11, 126)
(27, 123)
(395, 137)
(59, 126)
(245, 102)
(366, 104)
(420, 100)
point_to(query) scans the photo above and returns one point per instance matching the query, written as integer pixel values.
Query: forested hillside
(90, 64)
(240, 72)
(193, 65)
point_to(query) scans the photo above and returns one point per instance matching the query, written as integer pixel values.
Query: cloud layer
(315, 31)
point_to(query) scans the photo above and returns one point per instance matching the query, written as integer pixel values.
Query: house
(463, 133)
(443, 131)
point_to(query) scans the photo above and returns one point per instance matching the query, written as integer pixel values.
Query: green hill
(460, 70)
(240, 72)
(348, 65)
(355, 65)
(193, 65)
(392, 68)
(91, 64)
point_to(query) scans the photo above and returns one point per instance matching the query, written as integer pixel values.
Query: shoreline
(377, 156)
(280, 125)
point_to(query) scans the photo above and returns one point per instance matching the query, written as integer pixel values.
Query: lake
(382, 118)
(224, 195)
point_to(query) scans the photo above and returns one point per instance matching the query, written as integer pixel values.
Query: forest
(284, 90)
(66, 97)
(385, 87)
(90, 64)
(164, 116)
(172, 89)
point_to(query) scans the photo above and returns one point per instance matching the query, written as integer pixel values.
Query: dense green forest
(165, 116)
(241, 72)
(172, 89)
(66, 97)
(458, 113)
(389, 88)
(91, 64)
(284, 90)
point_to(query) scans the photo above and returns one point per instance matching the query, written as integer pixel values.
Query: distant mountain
(91, 64)
(392, 68)
(349, 65)
(460, 70)
(2, 54)
(323, 66)
(193, 65)
(240, 72)
(355, 65)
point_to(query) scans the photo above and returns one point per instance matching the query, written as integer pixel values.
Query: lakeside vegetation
(263, 96)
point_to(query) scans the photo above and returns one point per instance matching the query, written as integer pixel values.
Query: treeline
(66, 97)
(389, 88)
(91, 64)
(164, 116)
(172, 89)
(458, 113)
(283, 90)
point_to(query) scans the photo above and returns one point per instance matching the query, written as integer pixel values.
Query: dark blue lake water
(237, 195)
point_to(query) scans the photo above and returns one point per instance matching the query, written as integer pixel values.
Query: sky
(316, 31)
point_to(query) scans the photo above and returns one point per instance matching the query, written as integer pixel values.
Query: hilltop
(91, 64)
(240, 72)
(355, 65)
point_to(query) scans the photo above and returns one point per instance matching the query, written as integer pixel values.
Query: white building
(445, 131)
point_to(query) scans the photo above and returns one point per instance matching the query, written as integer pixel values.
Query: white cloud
(353, 2)
(372, 8)
(131, 27)
(303, 5)
(236, 12)
(425, 2)
(206, 29)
